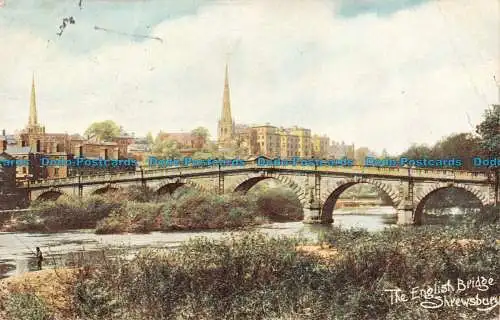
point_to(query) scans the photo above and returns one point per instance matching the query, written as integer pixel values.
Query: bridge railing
(398, 172)
(180, 171)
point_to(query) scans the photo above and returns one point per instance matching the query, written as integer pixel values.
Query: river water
(16, 256)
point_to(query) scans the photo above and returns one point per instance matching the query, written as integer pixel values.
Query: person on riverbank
(39, 258)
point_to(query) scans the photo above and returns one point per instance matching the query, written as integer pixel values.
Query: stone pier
(405, 212)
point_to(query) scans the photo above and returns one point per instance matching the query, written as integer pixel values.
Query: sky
(376, 73)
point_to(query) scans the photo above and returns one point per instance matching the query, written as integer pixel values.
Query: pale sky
(380, 73)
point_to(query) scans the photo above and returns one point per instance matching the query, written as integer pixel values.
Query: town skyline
(376, 98)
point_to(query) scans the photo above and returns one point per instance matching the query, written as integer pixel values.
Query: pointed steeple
(226, 100)
(33, 121)
(226, 123)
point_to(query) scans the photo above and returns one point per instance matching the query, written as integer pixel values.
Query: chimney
(3, 132)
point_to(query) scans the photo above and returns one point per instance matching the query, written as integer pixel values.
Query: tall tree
(489, 131)
(104, 130)
(463, 146)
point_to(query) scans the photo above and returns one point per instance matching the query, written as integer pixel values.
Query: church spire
(226, 125)
(33, 121)
(226, 100)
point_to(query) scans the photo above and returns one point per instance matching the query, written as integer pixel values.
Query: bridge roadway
(416, 174)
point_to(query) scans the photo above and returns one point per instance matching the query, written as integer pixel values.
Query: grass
(252, 276)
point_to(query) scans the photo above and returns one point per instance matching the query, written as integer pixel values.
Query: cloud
(382, 81)
(382, 7)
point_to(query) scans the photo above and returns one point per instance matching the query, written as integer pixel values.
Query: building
(289, 144)
(184, 139)
(34, 143)
(139, 149)
(122, 142)
(266, 140)
(10, 196)
(304, 139)
(341, 150)
(246, 139)
(320, 145)
(6, 141)
(187, 142)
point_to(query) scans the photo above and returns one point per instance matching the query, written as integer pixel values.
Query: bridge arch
(332, 194)
(246, 183)
(51, 195)
(104, 190)
(172, 185)
(422, 198)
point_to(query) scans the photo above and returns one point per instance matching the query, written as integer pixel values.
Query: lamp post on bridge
(28, 178)
(220, 186)
(80, 187)
(317, 183)
(143, 182)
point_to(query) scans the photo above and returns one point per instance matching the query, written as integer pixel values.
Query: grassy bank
(256, 277)
(141, 210)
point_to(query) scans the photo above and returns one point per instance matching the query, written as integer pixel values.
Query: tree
(462, 146)
(201, 132)
(104, 130)
(150, 139)
(165, 148)
(489, 131)
(203, 155)
(417, 152)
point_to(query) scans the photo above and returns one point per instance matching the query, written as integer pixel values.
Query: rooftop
(18, 150)
(77, 136)
(6, 156)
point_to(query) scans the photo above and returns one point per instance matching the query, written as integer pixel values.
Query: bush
(140, 210)
(73, 213)
(112, 225)
(131, 217)
(279, 205)
(193, 210)
(26, 306)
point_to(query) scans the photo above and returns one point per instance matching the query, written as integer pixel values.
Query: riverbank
(140, 211)
(17, 258)
(253, 276)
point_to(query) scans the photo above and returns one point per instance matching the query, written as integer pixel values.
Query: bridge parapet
(433, 174)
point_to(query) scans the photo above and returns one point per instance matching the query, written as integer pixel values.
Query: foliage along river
(16, 257)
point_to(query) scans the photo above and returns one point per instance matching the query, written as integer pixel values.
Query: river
(16, 257)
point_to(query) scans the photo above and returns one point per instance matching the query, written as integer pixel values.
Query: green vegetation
(141, 210)
(201, 132)
(26, 306)
(257, 277)
(104, 130)
(489, 131)
(164, 148)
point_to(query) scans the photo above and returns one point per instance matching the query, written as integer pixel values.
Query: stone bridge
(317, 187)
